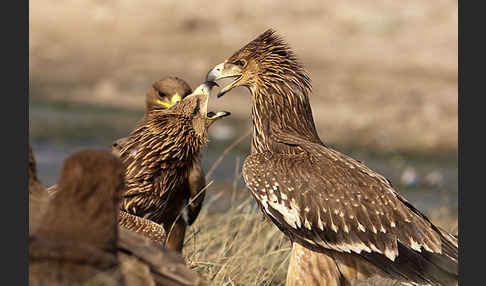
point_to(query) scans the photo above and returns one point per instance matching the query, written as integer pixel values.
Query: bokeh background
(384, 77)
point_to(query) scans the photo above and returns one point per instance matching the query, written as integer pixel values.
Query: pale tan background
(384, 72)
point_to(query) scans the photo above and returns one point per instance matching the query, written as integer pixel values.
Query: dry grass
(237, 247)
(230, 244)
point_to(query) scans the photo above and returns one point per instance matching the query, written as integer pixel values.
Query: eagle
(162, 157)
(77, 241)
(163, 94)
(39, 198)
(347, 223)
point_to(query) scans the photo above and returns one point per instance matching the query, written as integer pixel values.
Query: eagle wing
(142, 155)
(324, 199)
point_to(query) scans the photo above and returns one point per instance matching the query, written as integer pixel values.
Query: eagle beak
(203, 92)
(225, 70)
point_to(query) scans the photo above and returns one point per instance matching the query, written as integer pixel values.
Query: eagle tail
(423, 267)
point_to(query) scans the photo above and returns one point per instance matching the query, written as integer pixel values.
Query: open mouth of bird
(211, 115)
(230, 82)
(223, 71)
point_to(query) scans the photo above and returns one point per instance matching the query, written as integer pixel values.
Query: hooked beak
(225, 70)
(204, 88)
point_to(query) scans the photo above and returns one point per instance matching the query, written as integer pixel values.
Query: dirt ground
(384, 72)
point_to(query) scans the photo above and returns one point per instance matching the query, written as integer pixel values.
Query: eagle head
(192, 108)
(266, 61)
(166, 92)
(90, 185)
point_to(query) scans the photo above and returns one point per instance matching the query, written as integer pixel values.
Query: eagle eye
(161, 94)
(241, 63)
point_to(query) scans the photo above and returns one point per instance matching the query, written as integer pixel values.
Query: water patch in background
(59, 130)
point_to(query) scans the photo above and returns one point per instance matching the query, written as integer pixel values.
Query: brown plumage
(143, 226)
(164, 93)
(144, 262)
(78, 241)
(126, 221)
(327, 203)
(162, 158)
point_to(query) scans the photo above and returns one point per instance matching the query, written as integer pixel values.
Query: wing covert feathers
(328, 201)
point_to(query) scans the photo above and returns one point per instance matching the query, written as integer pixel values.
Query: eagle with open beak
(160, 156)
(347, 222)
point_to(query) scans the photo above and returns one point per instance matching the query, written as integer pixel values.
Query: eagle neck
(286, 109)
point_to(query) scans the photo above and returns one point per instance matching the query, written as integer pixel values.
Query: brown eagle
(39, 199)
(347, 222)
(78, 242)
(77, 237)
(163, 167)
(163, 94)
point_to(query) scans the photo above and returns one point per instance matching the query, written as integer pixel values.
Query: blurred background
(384, 77)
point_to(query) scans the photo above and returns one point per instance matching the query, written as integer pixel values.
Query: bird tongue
(203, 91)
